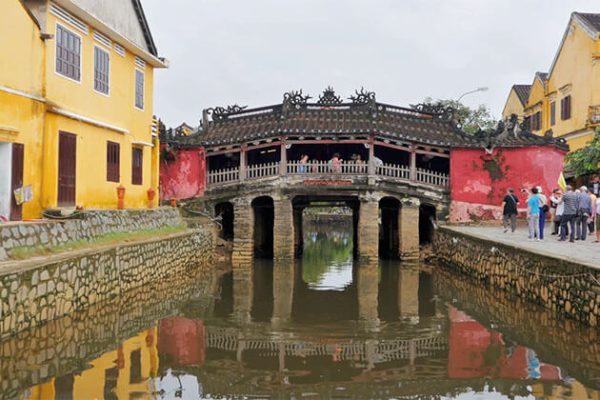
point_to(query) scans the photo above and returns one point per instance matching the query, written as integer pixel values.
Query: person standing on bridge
(302, 168)
(533, 214)
(336, 163)
(509, 205)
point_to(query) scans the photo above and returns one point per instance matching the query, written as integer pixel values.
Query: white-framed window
(101, 70)
(68, 53)
(139, 89)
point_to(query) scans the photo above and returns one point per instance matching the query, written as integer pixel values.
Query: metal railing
(327, 168)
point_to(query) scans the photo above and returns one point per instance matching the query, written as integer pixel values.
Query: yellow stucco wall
(574, 73)
(513, 106)
(22, 113)
(46, 103)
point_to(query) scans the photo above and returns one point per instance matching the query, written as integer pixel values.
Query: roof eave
(105, 29)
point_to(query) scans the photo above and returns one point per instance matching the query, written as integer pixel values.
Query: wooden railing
(432, 178)
(326, 168)
(223, 176)
(262, 170)
(320, 168)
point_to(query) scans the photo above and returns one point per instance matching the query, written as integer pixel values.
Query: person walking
(592, 220)
(543, 211)
(533, 214)
(509, 212)
(570, 205)
(556, 209)
(597, 206)
(584, 210)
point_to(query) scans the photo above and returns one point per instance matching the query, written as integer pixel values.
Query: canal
(325, 327)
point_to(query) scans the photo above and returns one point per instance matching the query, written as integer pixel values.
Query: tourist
(543, 210)
(556, 208)
(595, 185)
(592, 221)
(584, 210)
(533, 214)
(336, 163)
(597, 207)
(509, 213)
(302, 168)
(569, 201)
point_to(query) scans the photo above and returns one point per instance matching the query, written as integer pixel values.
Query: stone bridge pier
(270, 226)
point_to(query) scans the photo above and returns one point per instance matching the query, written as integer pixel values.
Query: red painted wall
(182, 339)
(185, 177)
(478, 181)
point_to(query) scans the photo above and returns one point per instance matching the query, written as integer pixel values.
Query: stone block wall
(563, 286)
(93, 224)
(66, 345)
(34, 292)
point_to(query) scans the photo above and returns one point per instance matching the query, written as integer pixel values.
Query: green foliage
(585, 160)
(471, 119)
(319, 256)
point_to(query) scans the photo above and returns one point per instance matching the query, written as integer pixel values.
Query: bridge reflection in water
(324, 327)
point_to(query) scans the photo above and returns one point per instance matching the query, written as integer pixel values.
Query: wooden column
(371, 167)
(283, 159)
(408, 228)
(413, 163)
(243, 162)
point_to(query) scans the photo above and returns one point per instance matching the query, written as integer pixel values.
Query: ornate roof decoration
(363, 97)
(437, 110)
(221, 113)
(329, 98)
(295, 98)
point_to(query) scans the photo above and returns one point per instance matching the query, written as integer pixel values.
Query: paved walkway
(586, 252)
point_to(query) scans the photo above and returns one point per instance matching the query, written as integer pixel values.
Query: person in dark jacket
(584, 210)
(509, 210)
(570, 202)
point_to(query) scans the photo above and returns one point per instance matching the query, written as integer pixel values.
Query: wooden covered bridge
(260, 168)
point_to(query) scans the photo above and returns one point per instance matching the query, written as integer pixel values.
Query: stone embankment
(92, 225)
(566, 287)
(35, 291)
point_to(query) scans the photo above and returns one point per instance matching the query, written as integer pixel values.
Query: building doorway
(67, 158)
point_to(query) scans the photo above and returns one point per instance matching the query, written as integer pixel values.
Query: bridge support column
(283, 230)
(368, 290)
(408, 227)
(243, 232)
(408, 291)
(283, 293)
(368, 230)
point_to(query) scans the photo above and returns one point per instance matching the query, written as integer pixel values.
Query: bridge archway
(264, 218)
(389, 213)
(427, 218)
(225, 211)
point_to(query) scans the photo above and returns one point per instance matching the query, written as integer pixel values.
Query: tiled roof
(522, 92)
(591, 20)
(333, 121)
(238, 125)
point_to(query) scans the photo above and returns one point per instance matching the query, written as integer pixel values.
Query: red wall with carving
(185, 176)
(478, 180)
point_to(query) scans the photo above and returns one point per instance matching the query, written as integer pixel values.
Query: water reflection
(277, 331)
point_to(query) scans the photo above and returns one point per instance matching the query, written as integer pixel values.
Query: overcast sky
(250, 52)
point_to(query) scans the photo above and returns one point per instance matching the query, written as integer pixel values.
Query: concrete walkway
(587, 252)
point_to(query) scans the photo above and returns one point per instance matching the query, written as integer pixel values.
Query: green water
(324, 327)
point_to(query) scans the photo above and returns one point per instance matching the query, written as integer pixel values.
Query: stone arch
(427, 220)
(264, 220)
(225, 211)
(389, 234)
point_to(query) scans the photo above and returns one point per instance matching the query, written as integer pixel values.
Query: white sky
(250, 52)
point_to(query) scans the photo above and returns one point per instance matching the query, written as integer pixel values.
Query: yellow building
(566, 100)
(516, 102)
(76, 105)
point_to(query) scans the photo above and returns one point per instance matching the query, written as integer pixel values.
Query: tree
(470, 119)
(585, 160)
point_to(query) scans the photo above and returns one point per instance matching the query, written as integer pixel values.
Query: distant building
(566, 99)
(516, 102)
(185, 129)
(76, 103)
